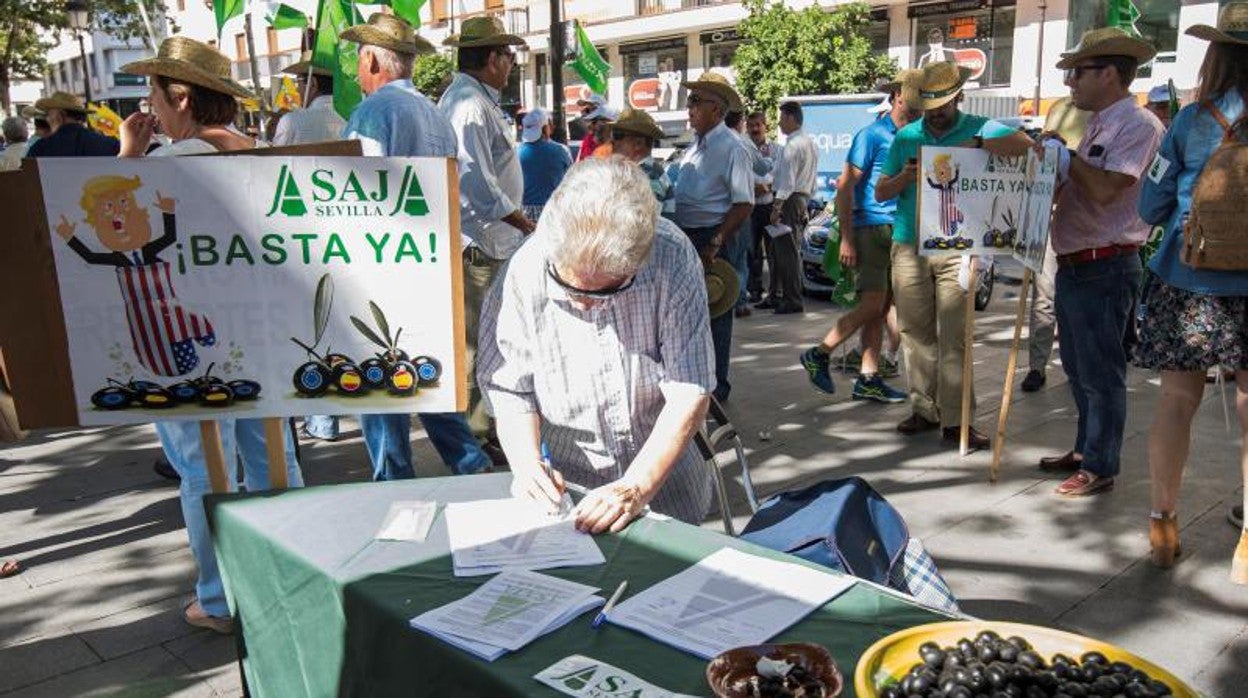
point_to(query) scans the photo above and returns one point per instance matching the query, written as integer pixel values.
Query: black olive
(1014, 691)
(1075, 690)
(961, 676)
(1159, 688)
(1093, 672)
(1076, 674)
(1093, 658)
(1139, 676)
(953, 660)
(987, 636)
(1036, 692)
(1121, 668)
(1020, 675)
(1047, 680)
(1007, 652)
(1104, 686)
(960, 692)
(1139, 690)
(987, 653)
(1019, 642)
(965, 646)
(1000, 694)
(907, 684)
(1061, 671)
(1031, 659)
(947, 685)
(996, 676)
(1060, 658)
(922, 684)
(932, 656)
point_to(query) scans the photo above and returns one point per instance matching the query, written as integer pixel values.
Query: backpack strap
(1228, 129)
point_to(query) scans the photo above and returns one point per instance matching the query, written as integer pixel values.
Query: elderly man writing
(596, 342)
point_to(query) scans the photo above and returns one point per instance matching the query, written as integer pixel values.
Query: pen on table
(602, 615)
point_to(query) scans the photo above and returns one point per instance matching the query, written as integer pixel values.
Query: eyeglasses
(695, 100)
(1077, 72)
(508, 54)
(596, 294)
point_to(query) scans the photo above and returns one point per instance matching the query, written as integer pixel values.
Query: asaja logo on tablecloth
(331, 193)
(585, 681)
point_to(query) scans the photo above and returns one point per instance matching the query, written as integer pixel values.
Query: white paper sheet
(488, 536)
(728, 599)
(585, 677)
(408, 521)
(490, 652)
(508, 611)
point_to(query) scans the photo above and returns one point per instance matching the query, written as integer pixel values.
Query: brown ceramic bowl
(729, 673)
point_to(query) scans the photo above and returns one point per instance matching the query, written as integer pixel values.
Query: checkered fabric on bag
(918, 577)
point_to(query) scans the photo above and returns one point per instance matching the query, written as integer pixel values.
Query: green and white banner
(257, 286)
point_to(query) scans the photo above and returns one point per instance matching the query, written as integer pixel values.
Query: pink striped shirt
(1122, 138)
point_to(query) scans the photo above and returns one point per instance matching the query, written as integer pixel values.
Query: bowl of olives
(1010, 660)
(800, 669)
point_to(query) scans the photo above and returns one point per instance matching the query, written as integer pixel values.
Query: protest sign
(973, 202)
(194, 288)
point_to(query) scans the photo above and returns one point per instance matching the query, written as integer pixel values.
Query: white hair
(602, 218)
(396, 65)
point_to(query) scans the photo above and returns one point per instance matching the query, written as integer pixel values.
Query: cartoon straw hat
(1107, 41)
(940, 83)
(483, 31)
(187, 60)
(717, 85)
(388, 31)
(1232, 26)
(723, 286)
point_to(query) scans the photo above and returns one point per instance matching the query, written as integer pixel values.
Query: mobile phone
(912, 161)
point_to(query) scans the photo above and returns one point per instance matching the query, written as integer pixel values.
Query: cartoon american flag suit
(950, 215)
(160, 328)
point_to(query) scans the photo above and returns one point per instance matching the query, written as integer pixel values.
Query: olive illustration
(217, 395)
(402, 379)
(312, 379)
(184, 392)
(374, 372)
(157, 398)
(348, 380)
(333, 359)
(245, 389)
(111, 398)
(428, 370)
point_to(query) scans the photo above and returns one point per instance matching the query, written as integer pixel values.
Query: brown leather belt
(1085, 256)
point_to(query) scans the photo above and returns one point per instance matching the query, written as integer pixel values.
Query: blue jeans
(321, 426)
(388, 440)
(1094, 303)
(240, 438)
(721, 327)
(738, 253)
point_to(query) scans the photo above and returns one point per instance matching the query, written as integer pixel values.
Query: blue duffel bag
(848, 526)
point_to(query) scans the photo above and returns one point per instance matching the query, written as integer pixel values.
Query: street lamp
(78, 21)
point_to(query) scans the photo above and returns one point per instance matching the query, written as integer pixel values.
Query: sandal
(195, 615)
(10, 568)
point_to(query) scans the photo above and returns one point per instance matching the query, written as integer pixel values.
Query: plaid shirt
(598, 377)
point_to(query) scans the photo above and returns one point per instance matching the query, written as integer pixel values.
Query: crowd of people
(595, 355)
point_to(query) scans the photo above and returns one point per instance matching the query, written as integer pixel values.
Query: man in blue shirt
(866, 245)
(543, 162)
(67, 116)
(931, 304)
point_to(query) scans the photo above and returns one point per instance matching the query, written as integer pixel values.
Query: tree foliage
(29, 28)
(812, 51)
(431, 73)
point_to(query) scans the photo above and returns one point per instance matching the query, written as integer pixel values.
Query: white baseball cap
(602, 111)
(532, 124)
(1159, 93)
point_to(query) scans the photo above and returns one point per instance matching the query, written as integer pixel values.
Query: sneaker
(874, 388)
(816, 365)
(888, 368)
(1033, 381)
(1236, 516)
(1083, 483)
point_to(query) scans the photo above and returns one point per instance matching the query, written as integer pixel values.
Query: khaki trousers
(931, 315)
(479, 273)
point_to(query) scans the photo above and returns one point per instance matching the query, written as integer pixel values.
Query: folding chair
(719, 434)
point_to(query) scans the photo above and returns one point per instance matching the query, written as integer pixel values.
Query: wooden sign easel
(32, 333)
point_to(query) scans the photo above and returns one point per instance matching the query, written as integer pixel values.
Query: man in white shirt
(491, 183)
(15, 134)
(795, 182)
(317, 122)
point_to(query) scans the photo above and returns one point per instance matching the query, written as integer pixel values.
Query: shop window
(1158, 24)
(653, 72)
(718, 48)
(974, 34)
(877, 30)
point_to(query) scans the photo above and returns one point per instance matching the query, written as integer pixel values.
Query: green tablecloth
(324, 608)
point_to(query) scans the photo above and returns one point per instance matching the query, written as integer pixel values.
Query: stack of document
(508, 612)
(491, 535)
(729, 599)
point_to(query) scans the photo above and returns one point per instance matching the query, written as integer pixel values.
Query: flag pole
(555, 63)
(255, 68)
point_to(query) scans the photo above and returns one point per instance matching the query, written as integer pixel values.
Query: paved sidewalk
(98, 609)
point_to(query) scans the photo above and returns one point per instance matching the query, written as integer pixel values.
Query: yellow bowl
(893, 656)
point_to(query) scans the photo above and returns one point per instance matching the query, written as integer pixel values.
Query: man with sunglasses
(1096, 235)
(491, 182)
(714, 193)
(596, 354)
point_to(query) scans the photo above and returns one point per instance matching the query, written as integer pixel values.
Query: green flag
(403, 9)
(337, 55)
(283, 16)
(224, 10)
(589, 64)
(1123, 14)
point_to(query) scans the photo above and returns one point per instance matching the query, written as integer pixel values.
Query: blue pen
(602, 615)
(550, 473)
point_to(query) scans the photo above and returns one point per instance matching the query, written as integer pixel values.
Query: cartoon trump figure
(161, 330)
(944, 177)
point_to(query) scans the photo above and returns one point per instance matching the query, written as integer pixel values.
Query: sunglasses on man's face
(695, 100)
(596, 294)
(1078, 71)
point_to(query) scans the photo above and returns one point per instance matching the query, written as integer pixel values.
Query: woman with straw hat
(194, 101)
(1193, 319)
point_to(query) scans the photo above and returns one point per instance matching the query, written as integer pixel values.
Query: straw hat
(938, 84)
(1232, 26)
(908, 81)
(31, 113)
(187, 60)
(1107, 41)
(723, 287)
(483, 31)
(388, 31)
(62, 100)
(717, 85)
(637, 123)
(305, 62)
